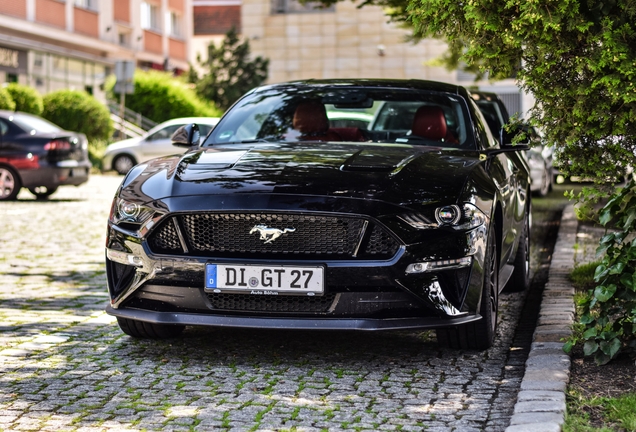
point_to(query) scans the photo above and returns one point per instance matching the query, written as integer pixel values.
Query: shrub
(6, 101)
(160, 97)
(608, 311)
(96, 150)
(27, 99)
(80, 112)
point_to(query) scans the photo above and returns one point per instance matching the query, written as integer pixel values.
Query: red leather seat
(429, 122)
(310, 119)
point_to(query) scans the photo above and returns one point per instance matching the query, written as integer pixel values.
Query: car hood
(400, 174)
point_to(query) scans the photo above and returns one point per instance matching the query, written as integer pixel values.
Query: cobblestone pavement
(65, 365)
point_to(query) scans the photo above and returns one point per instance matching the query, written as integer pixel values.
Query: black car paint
(372, 180)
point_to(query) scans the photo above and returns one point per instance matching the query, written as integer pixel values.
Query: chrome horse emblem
(269, 234)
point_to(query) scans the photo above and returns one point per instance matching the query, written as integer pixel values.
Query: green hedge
(160, 97)
(80, 112)
(27, 99)
(6, 101)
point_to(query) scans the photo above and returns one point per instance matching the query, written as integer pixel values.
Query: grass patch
(582, 276)
(614, 413)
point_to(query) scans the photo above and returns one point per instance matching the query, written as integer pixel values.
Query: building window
(173, 24)
(295, 6)
(87, 4)
(149, 16)
(124, 39)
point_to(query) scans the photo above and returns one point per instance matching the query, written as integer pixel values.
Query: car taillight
(57, 145)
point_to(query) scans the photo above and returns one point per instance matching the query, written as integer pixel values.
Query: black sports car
(279, 221)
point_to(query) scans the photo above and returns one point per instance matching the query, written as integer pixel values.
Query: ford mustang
(416, 220)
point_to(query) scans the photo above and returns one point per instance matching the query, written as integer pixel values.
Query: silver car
(121, 156)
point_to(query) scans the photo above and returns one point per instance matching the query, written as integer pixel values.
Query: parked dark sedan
(280, 221)
(39, 155)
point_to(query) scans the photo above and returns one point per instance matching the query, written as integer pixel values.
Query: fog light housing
(430, 266)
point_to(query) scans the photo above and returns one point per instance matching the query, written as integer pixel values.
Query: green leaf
(567, 347)
(611, 347)
(590, 348)
(617, 268)
(604, 293)
(600, 272)
(627, 279)
(600, 358)
(605, 216)
(590, 333)
(607, 238)
(586, 319)
(631, 215)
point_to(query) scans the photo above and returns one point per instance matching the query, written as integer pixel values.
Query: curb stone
(540, 405)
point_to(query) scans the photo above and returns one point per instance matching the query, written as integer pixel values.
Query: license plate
(268, 280)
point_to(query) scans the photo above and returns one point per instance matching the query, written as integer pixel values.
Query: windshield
(347, 114)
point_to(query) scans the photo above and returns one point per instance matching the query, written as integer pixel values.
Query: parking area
(65, 365)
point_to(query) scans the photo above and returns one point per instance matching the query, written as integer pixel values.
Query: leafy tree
(27, 99)
(229, 72)
(6, 101)
(578, 59)
(160, 97)
(80, 112)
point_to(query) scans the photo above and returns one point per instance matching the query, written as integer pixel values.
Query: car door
(159, 143)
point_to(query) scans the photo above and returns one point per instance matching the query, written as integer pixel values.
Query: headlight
(124, 211)
(448, 215)
(464, 217)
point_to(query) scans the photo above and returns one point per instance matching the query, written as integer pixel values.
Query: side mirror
(186, 136)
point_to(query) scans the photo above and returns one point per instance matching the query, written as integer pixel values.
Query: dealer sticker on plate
(268, 280)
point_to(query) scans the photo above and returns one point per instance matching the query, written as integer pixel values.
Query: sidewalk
(541, 405)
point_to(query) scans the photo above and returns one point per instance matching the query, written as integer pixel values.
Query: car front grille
(259, 303)
(273, 235)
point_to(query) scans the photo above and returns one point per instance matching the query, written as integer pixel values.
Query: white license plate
(268, 280)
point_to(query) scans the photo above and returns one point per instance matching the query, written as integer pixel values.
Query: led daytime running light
(430, 266)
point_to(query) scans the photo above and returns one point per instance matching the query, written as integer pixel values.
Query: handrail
(131, 116)
(131, 130)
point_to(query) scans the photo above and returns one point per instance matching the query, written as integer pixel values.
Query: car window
(30, 123)
(483, 131)
(345, 114)
(4, 128)
(164, 133)
(204, 129)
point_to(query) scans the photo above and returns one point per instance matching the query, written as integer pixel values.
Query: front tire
(479, 335)
(520, 279)
(144, 330)
(10, 184)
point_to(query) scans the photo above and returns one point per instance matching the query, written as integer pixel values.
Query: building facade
(305, 41)
(55, 44)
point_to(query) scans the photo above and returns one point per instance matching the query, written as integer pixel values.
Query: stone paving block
(538, 395)
(535, 427)
(536, 418)
(536, 406)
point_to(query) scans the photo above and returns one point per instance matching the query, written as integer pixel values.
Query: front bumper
(365, 295)
(369, 324)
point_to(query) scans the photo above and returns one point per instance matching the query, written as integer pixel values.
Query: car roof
(377, 83)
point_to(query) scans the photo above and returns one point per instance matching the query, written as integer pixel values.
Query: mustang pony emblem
(270, 234)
